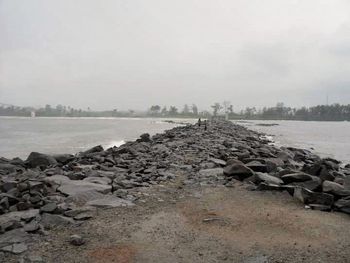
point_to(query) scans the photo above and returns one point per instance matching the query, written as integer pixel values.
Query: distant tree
(154, 110)
(173, 111)
(186, 110)
(216, 108)
(164, 111)
(194, 110)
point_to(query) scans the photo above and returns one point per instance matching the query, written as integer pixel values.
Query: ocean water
(20, 136)
(327, 139)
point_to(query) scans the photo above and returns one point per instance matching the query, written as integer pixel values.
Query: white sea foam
(115, 143)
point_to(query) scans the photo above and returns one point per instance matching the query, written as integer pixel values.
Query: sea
(20, 136)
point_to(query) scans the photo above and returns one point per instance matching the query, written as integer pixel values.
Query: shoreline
(49, 191)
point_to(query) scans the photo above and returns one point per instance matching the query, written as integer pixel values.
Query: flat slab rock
(96, 199)
(73, 187)
(10, 238)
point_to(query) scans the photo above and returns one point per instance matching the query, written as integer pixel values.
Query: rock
(269, 179)
(109, 202)
(335, 189)
(313, 185)
(31, 227)
(76, 240)
(33, 259)
(144, 138)
(218, 162)
(208, 173)
(36, 159)
(17, 248)
(343, 205)
(309, 197)
(269, 187)
(72, 187)
(12, 237)
(63, 158)
(239, 171)
(48, 208)
(95, 149)
(50, 220)
(296, 177)
(98, 180)
(327, 174)
(257, 166)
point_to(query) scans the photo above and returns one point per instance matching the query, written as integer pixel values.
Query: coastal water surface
(20, 136)
(328, 139)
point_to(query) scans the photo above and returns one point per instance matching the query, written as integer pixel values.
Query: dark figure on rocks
(199, 122)
(205, 125)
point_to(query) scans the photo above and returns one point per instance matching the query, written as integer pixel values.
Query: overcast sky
(134, 53)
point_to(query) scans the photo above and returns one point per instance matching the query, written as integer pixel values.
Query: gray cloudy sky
(134, 53)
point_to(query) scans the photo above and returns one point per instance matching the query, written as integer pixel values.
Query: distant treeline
(334, 112)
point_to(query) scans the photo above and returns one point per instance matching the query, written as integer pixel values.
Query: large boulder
(36, 159)
(343, 205)
(310, 197)
(312, 185)
(335, 189)
(239, 171)
(95, 149)
(266, 178)
(257, 166)
(73, 187)
(63, 158)
(296, 177)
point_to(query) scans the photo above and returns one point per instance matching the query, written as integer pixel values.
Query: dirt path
(213, 224)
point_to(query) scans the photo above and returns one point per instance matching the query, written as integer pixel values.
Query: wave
(115, 143)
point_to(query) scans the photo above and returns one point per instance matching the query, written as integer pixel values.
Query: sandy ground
(204, 224)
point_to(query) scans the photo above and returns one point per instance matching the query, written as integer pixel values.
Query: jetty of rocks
(45, 191)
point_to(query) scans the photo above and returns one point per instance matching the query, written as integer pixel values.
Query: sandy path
(205, 225)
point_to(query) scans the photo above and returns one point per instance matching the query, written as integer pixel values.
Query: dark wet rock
(76, 240)
(326, 174)
(335, 189)
(144, 138)
(239, 171)
(296, 177)
(269, 187)
(36, 159)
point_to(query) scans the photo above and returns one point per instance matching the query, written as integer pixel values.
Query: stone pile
(45, 191)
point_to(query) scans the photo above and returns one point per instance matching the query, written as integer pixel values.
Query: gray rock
(48, 208)
(343, 205)
(50, 220)
(36, 159)
(309, 197)
(76, 240)
(296, 177)
(109, 202)
(13, 237)
(264, 177)
(17, 248)
(335, 189)
(239, 171)
(72, 187)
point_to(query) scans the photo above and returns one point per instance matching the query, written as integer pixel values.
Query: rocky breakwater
(45, 191)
